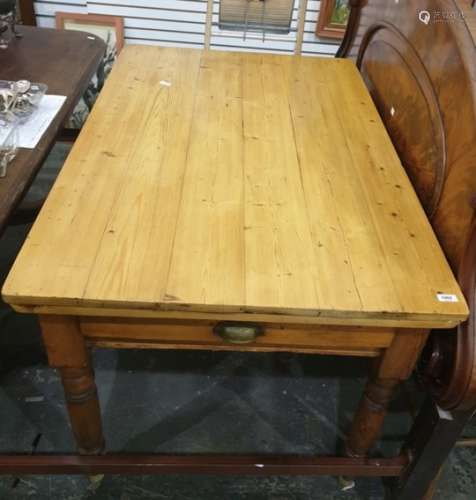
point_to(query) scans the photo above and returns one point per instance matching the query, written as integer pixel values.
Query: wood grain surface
(65, 61)
(322, 339)
(236, 184)
(469, 14)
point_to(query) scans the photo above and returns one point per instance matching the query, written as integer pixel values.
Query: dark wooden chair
(422, 78)
(27, 12)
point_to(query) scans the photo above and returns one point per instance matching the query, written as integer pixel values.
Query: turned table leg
(395, 364)
(68, 353)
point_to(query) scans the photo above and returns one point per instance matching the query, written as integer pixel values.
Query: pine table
(229, 201)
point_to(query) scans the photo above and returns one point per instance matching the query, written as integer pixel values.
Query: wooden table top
(65, 61)
(241, 186)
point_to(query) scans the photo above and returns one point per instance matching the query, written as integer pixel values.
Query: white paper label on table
(447, 297)
(30, 132)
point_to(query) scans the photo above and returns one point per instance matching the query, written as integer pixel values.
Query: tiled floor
(193, 402)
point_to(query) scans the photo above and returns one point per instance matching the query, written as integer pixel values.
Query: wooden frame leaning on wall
(99, 25)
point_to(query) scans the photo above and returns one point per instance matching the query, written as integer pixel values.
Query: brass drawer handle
(238, 333)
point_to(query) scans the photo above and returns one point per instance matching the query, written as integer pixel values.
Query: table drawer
(210, 335)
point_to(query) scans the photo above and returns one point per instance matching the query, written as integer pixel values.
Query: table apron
(169, 334)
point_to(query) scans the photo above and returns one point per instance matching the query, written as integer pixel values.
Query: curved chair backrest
(418, 61)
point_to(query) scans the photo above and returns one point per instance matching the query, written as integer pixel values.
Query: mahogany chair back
(418, 61)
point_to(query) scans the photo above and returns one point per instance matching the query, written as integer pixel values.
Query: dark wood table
(65, 61)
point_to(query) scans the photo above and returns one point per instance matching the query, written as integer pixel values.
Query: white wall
(182, 23)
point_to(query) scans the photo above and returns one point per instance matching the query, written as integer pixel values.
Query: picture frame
(109, 28)
(333, 17)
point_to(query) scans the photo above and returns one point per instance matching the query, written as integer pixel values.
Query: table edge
(245, 313)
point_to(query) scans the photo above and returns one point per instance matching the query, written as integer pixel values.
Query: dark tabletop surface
(65, 61)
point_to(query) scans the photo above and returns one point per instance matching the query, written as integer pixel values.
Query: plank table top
(234, 185)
